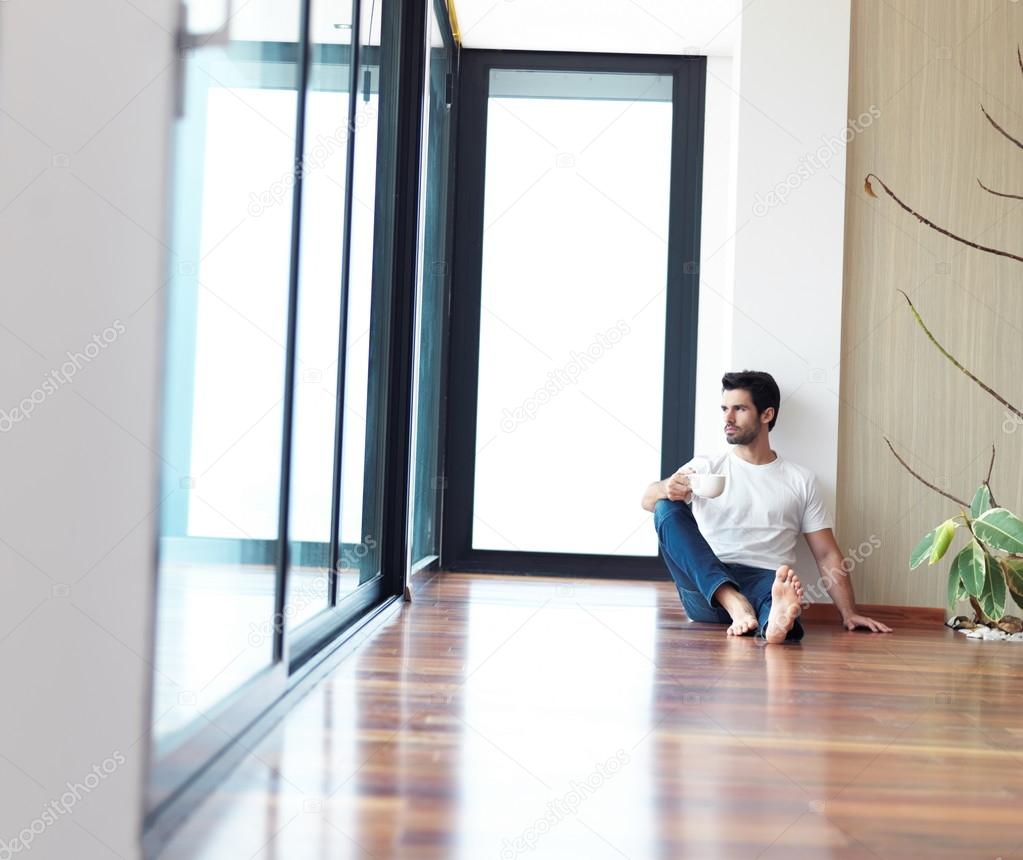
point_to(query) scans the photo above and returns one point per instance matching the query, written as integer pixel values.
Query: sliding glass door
(576, 307)
(225, 378)
(318, 381)
(333, 540)
(286, 420)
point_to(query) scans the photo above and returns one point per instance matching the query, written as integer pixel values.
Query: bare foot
(786, 596)
(742, 624)
(744, 619)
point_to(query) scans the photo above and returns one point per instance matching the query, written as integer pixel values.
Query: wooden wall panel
(928, 66)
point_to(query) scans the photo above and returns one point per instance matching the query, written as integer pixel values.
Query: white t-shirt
(758, 518)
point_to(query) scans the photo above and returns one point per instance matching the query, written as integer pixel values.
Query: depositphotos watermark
(560, 378)
(315, 158)
(562, 807)
(819, 590)
(812, 162)
(1012, 422)
(53, 380)
(62, 805)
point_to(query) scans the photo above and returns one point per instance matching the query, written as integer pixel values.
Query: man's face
(742, 422)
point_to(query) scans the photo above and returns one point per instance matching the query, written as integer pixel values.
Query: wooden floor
(497, 717)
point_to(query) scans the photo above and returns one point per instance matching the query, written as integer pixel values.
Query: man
(732, 556)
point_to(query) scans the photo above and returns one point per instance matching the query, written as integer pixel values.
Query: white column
(791, 134)
(85, 118)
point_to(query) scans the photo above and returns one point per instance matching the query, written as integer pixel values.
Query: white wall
(85, 112)
(788, 92)
(788, 256)
(717, 250)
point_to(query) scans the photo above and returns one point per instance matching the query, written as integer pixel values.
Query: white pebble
(983, 632)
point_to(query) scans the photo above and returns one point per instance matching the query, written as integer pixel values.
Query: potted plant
(990, 565)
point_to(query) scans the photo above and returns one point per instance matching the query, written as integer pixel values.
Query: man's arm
(837, 582)
(674, 487)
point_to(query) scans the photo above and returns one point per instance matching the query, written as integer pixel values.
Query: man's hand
(851, 622)
(836, 580)
(674, 488)
(677, 488)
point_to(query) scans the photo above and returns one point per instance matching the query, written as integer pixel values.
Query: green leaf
(1001, 529)
(992, 599)
(981, 501)
(955, 574)
(955, 587)
(921, 550)
(1012, 568)
(969, 564)
(942, 538)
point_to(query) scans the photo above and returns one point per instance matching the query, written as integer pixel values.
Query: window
(284, 442)
(575, 307)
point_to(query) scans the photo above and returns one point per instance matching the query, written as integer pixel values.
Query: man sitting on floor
(731, 556)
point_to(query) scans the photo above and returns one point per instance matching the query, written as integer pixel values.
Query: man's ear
(767, 415)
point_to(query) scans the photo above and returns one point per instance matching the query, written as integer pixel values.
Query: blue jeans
(698, 573)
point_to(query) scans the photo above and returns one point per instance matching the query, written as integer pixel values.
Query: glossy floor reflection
(215, 632)
(498, 717)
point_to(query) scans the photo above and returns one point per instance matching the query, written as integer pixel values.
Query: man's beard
(739, 438)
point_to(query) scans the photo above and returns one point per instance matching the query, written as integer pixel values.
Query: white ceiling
(604, 26)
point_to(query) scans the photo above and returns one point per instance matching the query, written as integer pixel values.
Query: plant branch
(952, 359)
(978, 613)
(1000, 129)
(999, 193)
(869, 189)
(987, 480)
(938, 490)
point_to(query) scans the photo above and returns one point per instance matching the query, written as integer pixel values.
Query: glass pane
(204, 16)
(573, 310)
(433, 274)
(319, 313)
(359, 538)
(227, 311)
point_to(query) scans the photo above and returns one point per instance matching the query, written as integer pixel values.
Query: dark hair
(761, 386)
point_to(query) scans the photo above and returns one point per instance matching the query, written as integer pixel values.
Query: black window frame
(682, 302)
(435, 279)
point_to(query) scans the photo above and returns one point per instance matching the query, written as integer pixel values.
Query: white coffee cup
(707, 486)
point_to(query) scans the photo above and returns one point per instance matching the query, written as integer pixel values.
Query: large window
(287, 345)
(225, 376)
(330, 557)
(575, 307)
(315, 421)
(565, 324)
